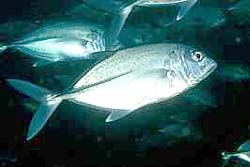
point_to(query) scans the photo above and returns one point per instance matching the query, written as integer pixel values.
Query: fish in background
(124, 81)
(122, 8)
(241, 6)
(13, 29)
(172, 132)
(241, 154)
(206, 16)
(202, 15)
(64, 40)
(234, 72)
(240, 11)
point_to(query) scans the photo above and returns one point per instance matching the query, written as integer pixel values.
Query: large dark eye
(197, 56)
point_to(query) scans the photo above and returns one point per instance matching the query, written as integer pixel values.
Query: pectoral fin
(184, 8)
(117, 114)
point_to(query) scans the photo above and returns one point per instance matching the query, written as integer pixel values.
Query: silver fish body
(62, 41)
(125, 81)
(173, 75)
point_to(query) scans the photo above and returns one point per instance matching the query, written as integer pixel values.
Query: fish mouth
(209, 69)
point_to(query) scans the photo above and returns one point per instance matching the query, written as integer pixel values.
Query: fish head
(194, 65)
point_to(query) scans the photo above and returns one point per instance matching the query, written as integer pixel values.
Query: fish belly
(132, 92)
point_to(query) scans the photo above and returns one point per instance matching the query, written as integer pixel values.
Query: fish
(234, 72)
(60, 41)
(170, 130)
(240, 11)
(242, 5)
(211, 17)
(242, 153)
(124, 81)
(13, 29)
(122, 9)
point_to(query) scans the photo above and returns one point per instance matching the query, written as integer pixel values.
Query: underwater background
(203, 121)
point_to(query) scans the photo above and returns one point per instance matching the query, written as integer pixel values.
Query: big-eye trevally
(242, 153)
(61, 41)
(124, 81)
(122, 8)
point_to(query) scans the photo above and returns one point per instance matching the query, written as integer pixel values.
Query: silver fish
(60, 41)
(125, 81)
(122, 8)
(243, 153)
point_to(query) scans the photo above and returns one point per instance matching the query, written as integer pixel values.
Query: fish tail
(46, 108)
(3, 48)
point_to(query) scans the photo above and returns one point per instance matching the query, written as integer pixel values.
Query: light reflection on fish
(125, 81)
(122, 8)
(60, 41)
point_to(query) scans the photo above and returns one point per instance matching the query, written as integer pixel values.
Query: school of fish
(123, 79)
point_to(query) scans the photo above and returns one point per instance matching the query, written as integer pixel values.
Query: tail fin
(46, 108)
(3, 48)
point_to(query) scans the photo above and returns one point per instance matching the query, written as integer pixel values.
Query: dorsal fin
(99, 56)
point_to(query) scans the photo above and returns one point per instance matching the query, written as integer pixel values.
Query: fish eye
(84, 43)
(197, 56)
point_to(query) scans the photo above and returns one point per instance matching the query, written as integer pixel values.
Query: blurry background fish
(59, 41)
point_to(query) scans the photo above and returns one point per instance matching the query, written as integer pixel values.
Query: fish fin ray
(184, 8)
(46, 108)
(117, 114)
(69, 91)
(116, 26)
(41, 117)
(29, 89)
(97, 57)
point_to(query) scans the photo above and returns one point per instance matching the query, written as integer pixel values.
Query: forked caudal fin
(46, 108)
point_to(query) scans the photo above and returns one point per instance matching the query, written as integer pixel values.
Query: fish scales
(122, 62)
